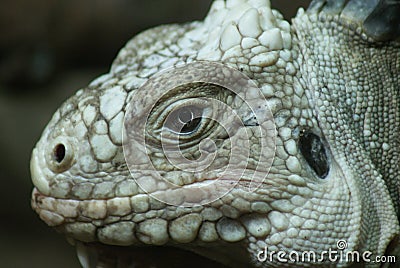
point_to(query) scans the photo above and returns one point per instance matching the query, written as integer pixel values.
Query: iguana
(318, 101)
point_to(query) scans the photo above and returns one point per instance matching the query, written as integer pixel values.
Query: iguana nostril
(59, 153)
(60, 156)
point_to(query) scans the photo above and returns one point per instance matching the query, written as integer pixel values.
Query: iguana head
(231, 136)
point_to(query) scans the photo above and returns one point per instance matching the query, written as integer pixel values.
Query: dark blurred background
(48, 50)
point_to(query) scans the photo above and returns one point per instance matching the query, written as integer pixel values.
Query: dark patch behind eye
(314, 152)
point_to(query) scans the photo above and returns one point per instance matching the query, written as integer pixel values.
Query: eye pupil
(190, 126)
(59, 153)
(185, 120)
(185, 116)
(314, 152)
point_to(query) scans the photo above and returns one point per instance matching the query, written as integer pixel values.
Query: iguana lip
(92, 254)
(95, 223)
(99, 255)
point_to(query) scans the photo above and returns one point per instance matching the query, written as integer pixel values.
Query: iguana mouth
(100, 255)
(105, 234)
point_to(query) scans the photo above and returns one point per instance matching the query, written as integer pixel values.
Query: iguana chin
(329, 80)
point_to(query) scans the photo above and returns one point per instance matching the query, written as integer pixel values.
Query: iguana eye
(314, 152)
(184, 120)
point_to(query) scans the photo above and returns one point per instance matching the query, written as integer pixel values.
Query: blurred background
(48, 50)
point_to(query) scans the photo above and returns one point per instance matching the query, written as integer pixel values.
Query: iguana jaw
(92, 254)
(102, 233)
